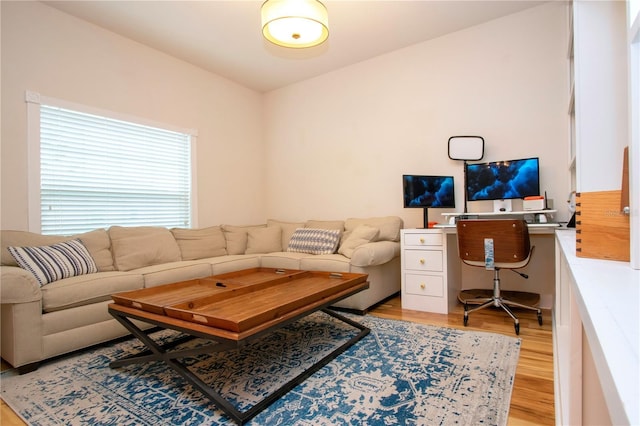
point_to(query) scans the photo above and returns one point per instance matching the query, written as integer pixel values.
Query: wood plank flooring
(532, 400)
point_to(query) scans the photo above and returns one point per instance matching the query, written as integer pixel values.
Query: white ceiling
(225, 37)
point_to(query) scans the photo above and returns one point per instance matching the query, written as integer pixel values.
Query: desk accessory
(534, 202)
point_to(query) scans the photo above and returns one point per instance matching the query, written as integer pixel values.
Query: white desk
(520, 213)
(432, 274)
(534, 228)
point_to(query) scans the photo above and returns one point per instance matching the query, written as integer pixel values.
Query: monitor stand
(425, 218)
(502, 206)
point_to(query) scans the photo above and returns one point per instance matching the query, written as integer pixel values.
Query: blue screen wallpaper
(503, 180)
(428, 191)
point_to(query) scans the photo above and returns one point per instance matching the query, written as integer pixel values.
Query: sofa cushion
(389, 226)
(97, 242)
(325, 262)
(288, 228)
(236, 237)
(200, 243)
(375, 253)
(87, 289)
(314, 241)
(361, 235)
(325, 224)
(173, 272)
(55, 262)
(140, 246)
(264, 240)
(232, 263)
(284, 260)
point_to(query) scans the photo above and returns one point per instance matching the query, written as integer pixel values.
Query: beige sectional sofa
(43, 321)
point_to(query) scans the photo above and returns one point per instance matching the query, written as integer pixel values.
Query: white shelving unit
(595, 337)
(598, 132)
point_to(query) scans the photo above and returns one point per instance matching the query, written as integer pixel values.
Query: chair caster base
(466, 315)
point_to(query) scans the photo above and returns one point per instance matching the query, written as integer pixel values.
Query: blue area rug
(401, 374)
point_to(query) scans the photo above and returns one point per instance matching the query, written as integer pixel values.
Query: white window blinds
(96, 172)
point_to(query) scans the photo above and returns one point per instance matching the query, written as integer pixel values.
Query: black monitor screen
(503, 180)
(428, 191)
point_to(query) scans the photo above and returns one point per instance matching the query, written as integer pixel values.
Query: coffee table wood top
(239, 304)
(155, 299)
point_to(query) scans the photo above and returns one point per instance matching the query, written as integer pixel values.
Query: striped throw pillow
(55, 262)
(314, 241)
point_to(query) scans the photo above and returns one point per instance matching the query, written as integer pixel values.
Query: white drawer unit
(424, 271)
(422, 239)
(424, 285)
(423, 260)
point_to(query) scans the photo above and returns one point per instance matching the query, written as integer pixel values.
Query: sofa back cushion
(264, 240)
(97, 243)
(140, 246)
(200, 243)
(388, 226)
(236, 237)
(325, 224)
(288, 228)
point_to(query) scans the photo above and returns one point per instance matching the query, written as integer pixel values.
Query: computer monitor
(426, 192)
(503, 180)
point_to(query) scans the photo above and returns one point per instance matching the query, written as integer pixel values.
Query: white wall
(59, 56)
(338, 144)
(334, 146)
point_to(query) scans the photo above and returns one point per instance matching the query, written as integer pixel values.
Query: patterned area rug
(401, 374)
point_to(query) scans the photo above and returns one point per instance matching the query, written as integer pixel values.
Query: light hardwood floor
(532, 396)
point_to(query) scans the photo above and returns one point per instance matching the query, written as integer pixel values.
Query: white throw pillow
(361, 235)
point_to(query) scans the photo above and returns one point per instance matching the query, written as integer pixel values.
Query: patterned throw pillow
(314, 241)
(55, 262)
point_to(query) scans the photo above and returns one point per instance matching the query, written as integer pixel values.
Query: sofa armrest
(18, 286)
(376, 253)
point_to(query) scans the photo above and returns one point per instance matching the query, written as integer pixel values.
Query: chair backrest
(510, 241)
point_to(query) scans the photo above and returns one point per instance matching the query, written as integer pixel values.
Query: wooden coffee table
(231, 310)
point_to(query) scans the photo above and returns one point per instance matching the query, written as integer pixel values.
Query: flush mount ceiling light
(295, 23)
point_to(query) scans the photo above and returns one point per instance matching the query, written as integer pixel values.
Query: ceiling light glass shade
(295, 23)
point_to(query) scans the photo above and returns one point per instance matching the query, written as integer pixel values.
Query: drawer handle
(422, 239)
(422, 286)
(422, 261)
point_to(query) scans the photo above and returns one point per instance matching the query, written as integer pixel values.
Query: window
(96, 171)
